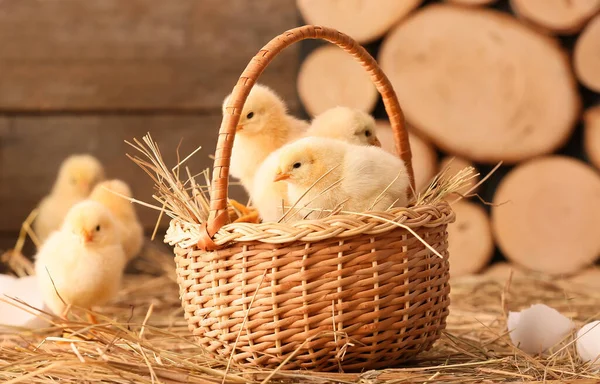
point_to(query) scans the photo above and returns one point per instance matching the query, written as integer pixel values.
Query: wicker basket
(348, 291)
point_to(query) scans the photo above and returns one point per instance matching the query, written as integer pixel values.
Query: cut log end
(550, 217)
(591, 135)
(472, 2)
(424, 157)
(329, 77)
(363, 20)
(586, 55)
(470, 242)
(454, 165)
(464, 83)
(556, 16)
(502, 271)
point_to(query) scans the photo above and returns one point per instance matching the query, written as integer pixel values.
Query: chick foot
(251, 217)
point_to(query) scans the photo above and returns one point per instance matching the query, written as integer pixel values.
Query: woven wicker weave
(347, 291)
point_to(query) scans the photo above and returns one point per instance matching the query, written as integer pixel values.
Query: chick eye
(97, 228)
(296, 165)
(368, 133)
(250, 115)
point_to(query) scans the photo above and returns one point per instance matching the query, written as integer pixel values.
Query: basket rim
(218, 215)
(185, 235)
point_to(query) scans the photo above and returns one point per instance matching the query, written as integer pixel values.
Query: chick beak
(281, 176)
(375, 141)
(87, 237)
(239, 128)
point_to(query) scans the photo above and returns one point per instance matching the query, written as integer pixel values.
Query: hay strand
(142, 337)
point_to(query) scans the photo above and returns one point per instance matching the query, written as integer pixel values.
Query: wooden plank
(116, 55)
(168, 87)
(92, 30)
(32, 148)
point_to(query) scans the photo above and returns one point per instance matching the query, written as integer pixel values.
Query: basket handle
(219, 216)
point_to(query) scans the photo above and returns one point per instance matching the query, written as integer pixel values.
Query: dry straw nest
(142, 337)
(350, 290)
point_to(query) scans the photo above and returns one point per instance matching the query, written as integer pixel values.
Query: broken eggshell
(25, 289)
(588, 343)
(537, 328)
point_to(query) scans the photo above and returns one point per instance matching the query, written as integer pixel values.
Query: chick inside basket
(294, 169)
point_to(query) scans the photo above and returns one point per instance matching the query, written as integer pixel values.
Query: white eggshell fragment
(537, 328)
(588, 343)
(14, 314)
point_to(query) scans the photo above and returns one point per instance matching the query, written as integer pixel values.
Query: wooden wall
(85, 75)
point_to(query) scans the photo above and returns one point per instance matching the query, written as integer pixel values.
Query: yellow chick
(342, 123)
(269, 197)
(348, 124)
(264, 126)
(328, 174)
(77, 175)
(128, 225)
(83, 261)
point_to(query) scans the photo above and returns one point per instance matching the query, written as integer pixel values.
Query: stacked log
(586, 59)
(483, 81)
(330, 77)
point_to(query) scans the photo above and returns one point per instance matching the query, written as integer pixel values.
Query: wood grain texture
(556, 16)
(586, 55)
(330, 77)
(550, 217)
(476, 83)
(31, 149)
(362, 20)
(115, 55)
(470, 241)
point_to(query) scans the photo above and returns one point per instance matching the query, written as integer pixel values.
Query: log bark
(470, 242)
(586, 55)
(591, 135)
(476, 84)
(424, 157)
(363, 20)
(330, 77)
(549, 222)
(556, 16)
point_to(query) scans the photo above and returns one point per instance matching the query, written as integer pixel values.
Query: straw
(142, 337)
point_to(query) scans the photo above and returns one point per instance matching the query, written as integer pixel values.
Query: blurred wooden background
(449, 70)
(83, 76)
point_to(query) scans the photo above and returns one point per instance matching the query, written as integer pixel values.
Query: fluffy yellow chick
(342, 123)
(128, 225)
(83, 261)
(358, 178)
(264, 126)
(77, 175)
(268, 196)
(348, 124)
